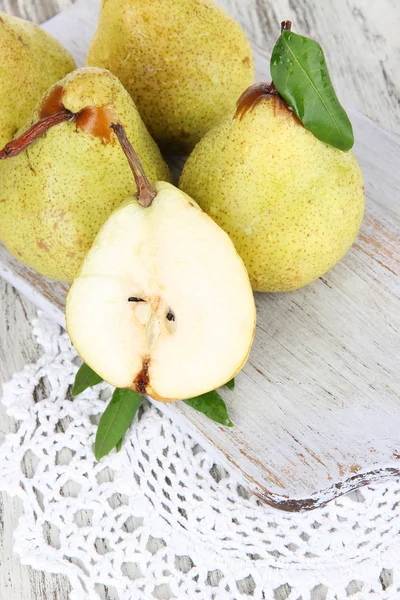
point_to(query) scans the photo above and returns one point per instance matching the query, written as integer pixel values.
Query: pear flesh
(162, 303)
(184, 62)
(291, 204)
(56, 194)
(31, 61)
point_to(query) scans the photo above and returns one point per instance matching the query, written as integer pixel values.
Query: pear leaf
(116, 420)
(231, 384)
(213, 406)
(118, 446)
(300, 75)
(84, 379)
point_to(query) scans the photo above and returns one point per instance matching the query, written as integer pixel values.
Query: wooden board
(317, 407)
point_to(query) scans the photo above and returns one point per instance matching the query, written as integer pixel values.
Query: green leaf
(231, 384)
(115, 420)
(85, 378)
(118, 445)
(300, 75)
(213, 406)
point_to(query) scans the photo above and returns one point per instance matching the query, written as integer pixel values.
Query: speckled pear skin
(55, 196)
(291, 204)
(184, 62)
(31, 61)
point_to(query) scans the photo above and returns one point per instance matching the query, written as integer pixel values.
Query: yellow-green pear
(30, 62)
(291, 204)
(184, 62)
(60, 180)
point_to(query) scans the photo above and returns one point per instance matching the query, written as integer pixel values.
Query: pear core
(162, 303)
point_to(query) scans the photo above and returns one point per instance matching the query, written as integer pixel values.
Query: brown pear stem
(286, 26)
(146, 192)
(18, 145)
(272, 89)
(252, 96)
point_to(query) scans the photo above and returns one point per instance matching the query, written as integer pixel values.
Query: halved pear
(162, 303)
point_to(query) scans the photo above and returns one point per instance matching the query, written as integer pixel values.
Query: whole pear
(30, 62)
(58, 191)
(291, 204)
(184, 62)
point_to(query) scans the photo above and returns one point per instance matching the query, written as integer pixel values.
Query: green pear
(291, 204)
(57, 190)
(30, 62)
(184, 62)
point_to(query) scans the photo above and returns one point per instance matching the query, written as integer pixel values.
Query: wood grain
(34, 10)
(361, 43)
(17, 348)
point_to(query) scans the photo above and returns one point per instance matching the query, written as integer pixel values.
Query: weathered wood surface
(321, 355)
(361, 43)
(313, 408)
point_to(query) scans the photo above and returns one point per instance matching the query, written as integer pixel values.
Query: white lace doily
(160, 519)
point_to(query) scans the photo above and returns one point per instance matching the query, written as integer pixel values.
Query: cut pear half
(162, 303)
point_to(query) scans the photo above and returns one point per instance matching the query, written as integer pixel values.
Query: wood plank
(17, 348)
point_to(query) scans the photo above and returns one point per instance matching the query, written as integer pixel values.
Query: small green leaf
(85, 378)
(115, 420)
(213, 406)
(231, 384)
(118, 445)
(300, 75)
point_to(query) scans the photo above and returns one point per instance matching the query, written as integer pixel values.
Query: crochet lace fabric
(160, 519)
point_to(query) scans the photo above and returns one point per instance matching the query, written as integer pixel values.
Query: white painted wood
(17, 348)
(361, 43)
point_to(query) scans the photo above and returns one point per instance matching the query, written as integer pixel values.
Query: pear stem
(252, 96)
(146, 192)
(18, 145)
(272, 89)
(286, 26)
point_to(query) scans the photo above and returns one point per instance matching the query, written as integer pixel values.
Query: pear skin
(184, 62)
(291, 204)
(31, 61)
(56, 194)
